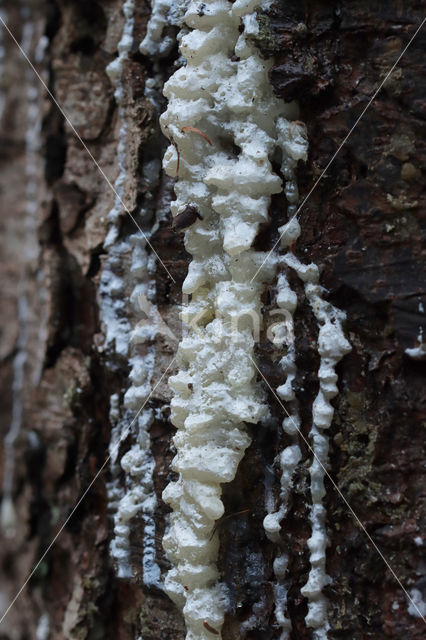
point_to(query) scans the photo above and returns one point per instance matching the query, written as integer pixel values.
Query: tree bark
(362, 225)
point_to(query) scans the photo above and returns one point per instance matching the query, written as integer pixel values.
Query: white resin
(137, 498)
(418, 609)
(286, 300)
(115, 72)
(138, 463)
(225, 124)
(43, 627)
(223, 91)
(112, 286)
(332, 346)
(419, 352)
(156, 43)
(30, 256)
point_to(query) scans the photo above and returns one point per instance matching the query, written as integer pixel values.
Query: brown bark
(363, 225)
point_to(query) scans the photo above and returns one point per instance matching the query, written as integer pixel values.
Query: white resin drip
(112, 285)
(223, 92)
(115, 72)
(30, 254)
(291, 455)
(156, 42)
(114, 489)
(33, 148)
(138, 497)
(283, 336)
(112, 289)
(113, 301)
(140, 463)
(8, 518)
(332, 346)
(419, 352)
(280, 595)
(419, 610)
(43, 627)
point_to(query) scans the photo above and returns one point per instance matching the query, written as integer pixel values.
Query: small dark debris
(186, 218)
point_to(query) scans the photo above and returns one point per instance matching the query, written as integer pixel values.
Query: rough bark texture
(363, 225)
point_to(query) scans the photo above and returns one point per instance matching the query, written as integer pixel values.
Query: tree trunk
(80, 277)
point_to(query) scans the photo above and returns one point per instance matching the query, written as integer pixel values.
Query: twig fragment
(194, 130)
